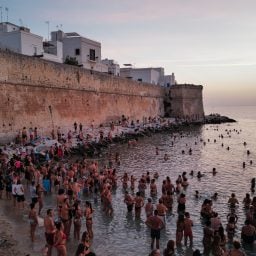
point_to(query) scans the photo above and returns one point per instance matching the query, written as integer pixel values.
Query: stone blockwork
(43, 94)
(38, 93)
(186, 102)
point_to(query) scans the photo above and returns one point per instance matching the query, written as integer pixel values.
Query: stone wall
(44, 94)
(186, 102)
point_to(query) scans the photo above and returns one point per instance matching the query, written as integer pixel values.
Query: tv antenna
(1, 10)
(48, 29)
(21, 22)
(7, 13)
(59, 27)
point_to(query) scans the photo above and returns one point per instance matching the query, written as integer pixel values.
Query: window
(77, 51)
(92, 55)
(140, 79)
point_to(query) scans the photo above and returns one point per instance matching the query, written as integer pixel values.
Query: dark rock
(218, 119)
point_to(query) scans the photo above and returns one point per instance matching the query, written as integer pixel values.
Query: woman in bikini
(88, 215)
(40, 190)
(60, 240)
(179, 229)
(65, 216)
(77, 220)
(33, 221)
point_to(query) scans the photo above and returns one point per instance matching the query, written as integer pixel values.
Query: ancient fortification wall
(43, 94)
(31, 87)
(186, 101)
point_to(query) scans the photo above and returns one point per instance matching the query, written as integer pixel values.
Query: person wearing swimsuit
(60, 240)
(88, 215)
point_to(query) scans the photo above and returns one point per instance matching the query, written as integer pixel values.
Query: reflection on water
(129, 236)
(123, 234)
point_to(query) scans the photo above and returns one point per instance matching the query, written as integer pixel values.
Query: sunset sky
(206, 42)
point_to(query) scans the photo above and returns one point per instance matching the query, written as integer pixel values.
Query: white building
(53, 51)
(169, 80)
(148, 75)
(113, 67)
(19, 39)
(86, 51)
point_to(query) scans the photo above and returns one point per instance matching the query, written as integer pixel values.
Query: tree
(71, 61)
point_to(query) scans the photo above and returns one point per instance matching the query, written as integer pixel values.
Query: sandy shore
(9, 243)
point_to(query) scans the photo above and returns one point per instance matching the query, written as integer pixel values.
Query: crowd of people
(24, 179)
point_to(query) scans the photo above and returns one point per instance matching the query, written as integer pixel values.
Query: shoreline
(13, 245)
(157, 125)
(9, 244)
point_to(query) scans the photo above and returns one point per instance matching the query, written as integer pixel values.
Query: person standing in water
(33, 220)
(188, 233)
(49, 231)
(155, 224)
(88, 215)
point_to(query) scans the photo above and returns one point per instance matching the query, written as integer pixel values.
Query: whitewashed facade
(19, 39)
(86, 51)
(169, 80)
(113, 67)
(149, 75)
(53, 51)
(146, 75)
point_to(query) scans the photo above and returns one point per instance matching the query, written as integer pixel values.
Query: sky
(206, 42)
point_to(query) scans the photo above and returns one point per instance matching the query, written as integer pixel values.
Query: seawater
(123, 234)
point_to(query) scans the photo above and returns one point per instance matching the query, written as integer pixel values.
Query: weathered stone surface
(187, 102)
(43, 94)
(30, 87)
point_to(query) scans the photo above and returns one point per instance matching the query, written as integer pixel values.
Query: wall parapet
(190, 86)
(185, 101)
(23, 69)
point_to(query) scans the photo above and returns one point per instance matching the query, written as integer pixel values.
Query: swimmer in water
(214, 172)
(166, 157)
(233, 201)
(199, 175)
(197, 194)
(149, 208)
(156, 175)
(215, 196)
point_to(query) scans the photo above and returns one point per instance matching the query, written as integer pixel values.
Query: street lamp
(50, 109)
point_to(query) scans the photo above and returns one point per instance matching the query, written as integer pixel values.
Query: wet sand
(10, 244)
(15, 229)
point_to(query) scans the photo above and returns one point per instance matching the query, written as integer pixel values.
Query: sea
(125, 235)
